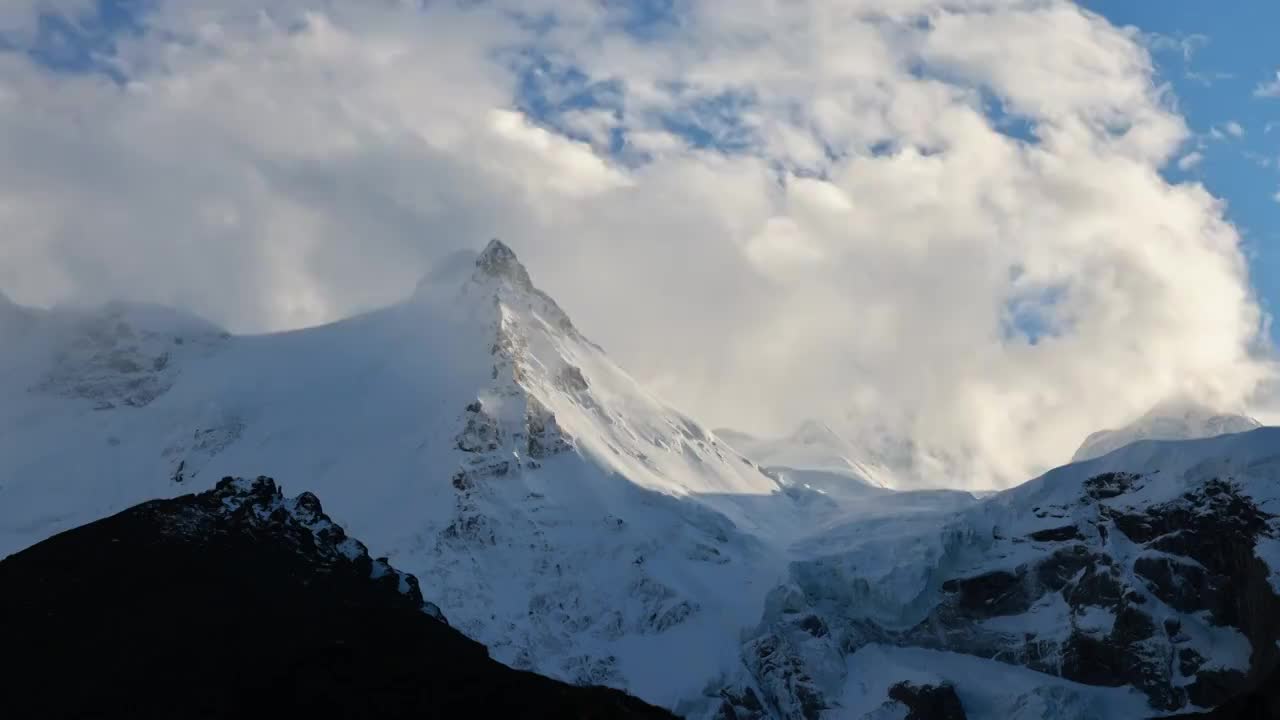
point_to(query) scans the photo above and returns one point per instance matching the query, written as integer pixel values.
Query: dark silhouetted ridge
(239, 602)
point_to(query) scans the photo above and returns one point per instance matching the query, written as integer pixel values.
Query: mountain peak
(815, 432)
(499, 261)
(1172, 419)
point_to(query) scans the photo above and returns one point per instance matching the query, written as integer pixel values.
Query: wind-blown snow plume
(940, 227)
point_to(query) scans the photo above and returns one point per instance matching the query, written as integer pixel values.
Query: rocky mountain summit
(239, 602)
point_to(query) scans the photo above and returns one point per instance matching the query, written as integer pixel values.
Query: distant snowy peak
(1171, 420)
(117, 354)
(811, 452)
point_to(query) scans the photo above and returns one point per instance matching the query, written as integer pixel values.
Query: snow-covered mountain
(568, 519)
(1139, 583)
(1172, 420)
(578, 526)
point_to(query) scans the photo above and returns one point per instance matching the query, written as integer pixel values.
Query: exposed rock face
(928, 702)
(499, 261)
(239, 602)
(1261, 703)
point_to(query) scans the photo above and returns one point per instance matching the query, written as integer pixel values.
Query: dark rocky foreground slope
(239, 602)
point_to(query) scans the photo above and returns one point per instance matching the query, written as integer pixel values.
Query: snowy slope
(568, 519)
(1174, 420)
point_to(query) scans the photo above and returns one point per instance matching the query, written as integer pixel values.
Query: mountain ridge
(239, 601)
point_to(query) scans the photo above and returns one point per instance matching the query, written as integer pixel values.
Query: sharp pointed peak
(496, 247)
(814, 431)
(498, 260)
(495, 275)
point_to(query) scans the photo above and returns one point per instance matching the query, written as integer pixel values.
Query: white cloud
(1231, 129)
(1184, 45)
(851, 251)
(1262, 161)
(1190, 160)
(1269, 88)
(1207, 78)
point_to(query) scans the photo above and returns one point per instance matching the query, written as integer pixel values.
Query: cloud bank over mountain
(941, 227)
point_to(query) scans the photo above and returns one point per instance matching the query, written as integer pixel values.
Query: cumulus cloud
(1269, 88)
(939, 226)
(1190, 160)
(1185, 45)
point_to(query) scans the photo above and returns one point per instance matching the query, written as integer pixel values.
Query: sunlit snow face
(941, 222)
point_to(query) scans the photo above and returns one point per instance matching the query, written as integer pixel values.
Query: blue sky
(1226, 50)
